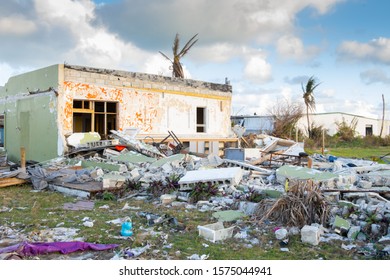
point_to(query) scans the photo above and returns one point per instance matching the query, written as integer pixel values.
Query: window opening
(200, 119)
(94, 116)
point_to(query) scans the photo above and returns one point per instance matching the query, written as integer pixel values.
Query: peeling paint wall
(152, 103)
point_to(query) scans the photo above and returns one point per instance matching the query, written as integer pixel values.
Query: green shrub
(203, 191)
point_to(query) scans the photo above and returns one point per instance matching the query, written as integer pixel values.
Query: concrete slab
(232, 175)
(302, 173)
(228, 215)
(170, 159)
(133, 157)
(104, 165)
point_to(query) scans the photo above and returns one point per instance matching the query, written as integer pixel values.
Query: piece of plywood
(6, 182)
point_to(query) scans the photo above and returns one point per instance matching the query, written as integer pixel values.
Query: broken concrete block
(365, 184)
(167, 168)
(311, 235)
(332, 196)
(135, 174)
(348, 204)
(104, 165)
(167, 198)
(281, 233)
(97, 173)
(232, 175)
(247, 207)
(341, 224)
(375, 228)
(215, 232)
(113, 181)
(133, 157)
(353, 232)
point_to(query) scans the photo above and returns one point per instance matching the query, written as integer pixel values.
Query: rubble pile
(329, 199)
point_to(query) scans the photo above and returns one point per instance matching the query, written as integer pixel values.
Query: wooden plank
(6, 182)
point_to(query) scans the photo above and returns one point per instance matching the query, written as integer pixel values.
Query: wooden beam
(6, 182)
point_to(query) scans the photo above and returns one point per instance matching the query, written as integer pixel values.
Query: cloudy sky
(266, 49)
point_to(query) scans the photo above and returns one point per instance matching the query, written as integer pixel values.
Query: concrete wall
(152, 103)
(29, 104)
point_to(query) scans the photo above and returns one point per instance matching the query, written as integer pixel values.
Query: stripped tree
(177, 69)
(308, 97)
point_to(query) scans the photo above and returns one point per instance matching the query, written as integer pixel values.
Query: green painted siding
(31, 118)
(38, 80)
(31, 123)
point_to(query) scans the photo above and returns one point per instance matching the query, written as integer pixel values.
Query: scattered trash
(215, 232)
(197, 257)
(274, 184)
(127, 228)
(87, 222)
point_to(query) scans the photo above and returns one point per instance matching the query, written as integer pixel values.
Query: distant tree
(308, 97)
(345, 131)
(286, 116)
(177, 69)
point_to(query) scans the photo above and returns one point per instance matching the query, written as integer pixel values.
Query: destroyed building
(39, 109)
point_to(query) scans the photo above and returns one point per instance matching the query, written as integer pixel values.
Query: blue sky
(266, 49)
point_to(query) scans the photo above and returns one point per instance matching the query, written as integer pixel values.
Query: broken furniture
(170, 148)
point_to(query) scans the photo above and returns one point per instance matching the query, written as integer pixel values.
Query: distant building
(255, 124)
(364, 126)
(39, 109)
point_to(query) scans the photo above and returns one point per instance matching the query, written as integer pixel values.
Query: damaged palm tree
(303, 204)
(177, 69)
(308, 97)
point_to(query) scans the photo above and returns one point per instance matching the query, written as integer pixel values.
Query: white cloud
(217, 52)
(377, 50)
(257, 69)
(157, 64)
(292, 47)
(16, 24)
(375, 76)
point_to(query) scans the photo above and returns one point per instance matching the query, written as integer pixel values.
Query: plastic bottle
(127, 228)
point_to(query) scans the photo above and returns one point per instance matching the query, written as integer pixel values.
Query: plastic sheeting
(39, 248)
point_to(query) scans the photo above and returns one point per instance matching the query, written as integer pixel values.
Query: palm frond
(164, 55)
(176, 44)
(188, 45)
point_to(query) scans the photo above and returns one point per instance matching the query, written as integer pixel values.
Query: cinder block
(311, 235)
(232, 174)
(113, 181)
(167, 198)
